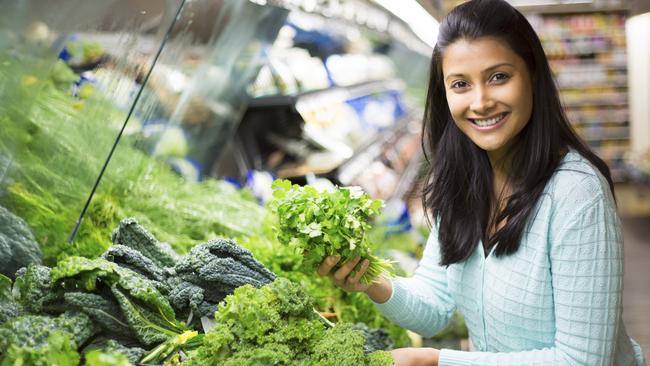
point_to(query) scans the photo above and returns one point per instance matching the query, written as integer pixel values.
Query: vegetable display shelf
(587, 54)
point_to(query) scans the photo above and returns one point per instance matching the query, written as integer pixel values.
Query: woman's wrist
(433, 355)
(380, 291)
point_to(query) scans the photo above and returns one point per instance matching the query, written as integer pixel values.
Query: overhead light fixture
(548, 2)
(416, 17)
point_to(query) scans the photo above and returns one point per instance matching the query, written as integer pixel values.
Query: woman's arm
(421, 303)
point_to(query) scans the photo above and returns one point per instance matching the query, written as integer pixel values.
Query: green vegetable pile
(276, 325)
(125, 302)
(321, 224)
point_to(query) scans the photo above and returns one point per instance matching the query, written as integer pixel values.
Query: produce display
(140, 302)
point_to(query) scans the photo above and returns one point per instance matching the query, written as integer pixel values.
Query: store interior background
(319, 92)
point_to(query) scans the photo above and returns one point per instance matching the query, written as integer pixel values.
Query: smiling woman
(525, 241)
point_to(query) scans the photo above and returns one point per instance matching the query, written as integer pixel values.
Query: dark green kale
(33, 330)
(148, 325)
(9, 307)
(221, 263)
(132, 235)
(33, 289)
(102, 310)
(204, 277)
(18, 248)
(143, 307)
(186, 296)
(376, 339)
(132, 259)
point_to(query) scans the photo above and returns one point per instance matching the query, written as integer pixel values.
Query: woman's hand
(342, 277)
(415, 356)
(379, 291)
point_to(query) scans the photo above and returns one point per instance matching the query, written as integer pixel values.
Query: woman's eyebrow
(497, 66)
(483, 72)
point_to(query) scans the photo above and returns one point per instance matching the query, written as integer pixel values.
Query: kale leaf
(18, 248)
(9, 307)
(132, 235)
(209, 272)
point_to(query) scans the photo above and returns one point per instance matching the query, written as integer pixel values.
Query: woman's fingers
(362, 270)
(345, 269)
(327, 265)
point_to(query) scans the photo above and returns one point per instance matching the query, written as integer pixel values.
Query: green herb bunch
(329, 223)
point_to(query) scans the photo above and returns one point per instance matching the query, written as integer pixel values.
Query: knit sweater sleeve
(587, 275)
(422, 303)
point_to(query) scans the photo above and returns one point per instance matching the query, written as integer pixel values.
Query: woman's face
(489, 92)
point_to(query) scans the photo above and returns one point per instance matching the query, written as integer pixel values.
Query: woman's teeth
(490, 121)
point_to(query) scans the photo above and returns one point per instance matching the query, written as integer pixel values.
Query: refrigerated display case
(115, 92)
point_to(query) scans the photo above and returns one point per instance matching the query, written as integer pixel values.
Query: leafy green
(99, 358)
(341, 346)
(276, 325)
(9, 306)
(146, 311)
(57, 350)
(102, 310)
(133, 235)
(210, 272)
(320, 224)
(17, 245)
(34, 330)
(32, 289)
(112, 346)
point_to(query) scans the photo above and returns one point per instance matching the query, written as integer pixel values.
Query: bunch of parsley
(328, 223)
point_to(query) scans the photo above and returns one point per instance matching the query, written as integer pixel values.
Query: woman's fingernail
(366, 262)
(334, 259)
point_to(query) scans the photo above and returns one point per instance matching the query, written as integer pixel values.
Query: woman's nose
(482, 102)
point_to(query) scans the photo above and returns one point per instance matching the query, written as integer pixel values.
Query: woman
(525, 240)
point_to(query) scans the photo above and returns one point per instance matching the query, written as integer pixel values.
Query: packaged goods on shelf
(588, 57)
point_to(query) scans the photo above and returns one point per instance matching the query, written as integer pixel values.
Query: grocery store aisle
(633, 204)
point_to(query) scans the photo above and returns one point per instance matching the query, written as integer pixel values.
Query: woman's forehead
(480, 54)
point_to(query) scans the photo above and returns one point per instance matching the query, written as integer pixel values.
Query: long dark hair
(459, 191)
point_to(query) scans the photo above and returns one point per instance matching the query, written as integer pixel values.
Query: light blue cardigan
(556, 301)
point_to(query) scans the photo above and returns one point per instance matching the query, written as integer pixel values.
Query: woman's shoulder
(576, 180)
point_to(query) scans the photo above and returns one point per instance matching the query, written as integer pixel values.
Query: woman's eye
(458, 84)
(499, 77)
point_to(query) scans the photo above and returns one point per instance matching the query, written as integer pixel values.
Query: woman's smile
(491, 123)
